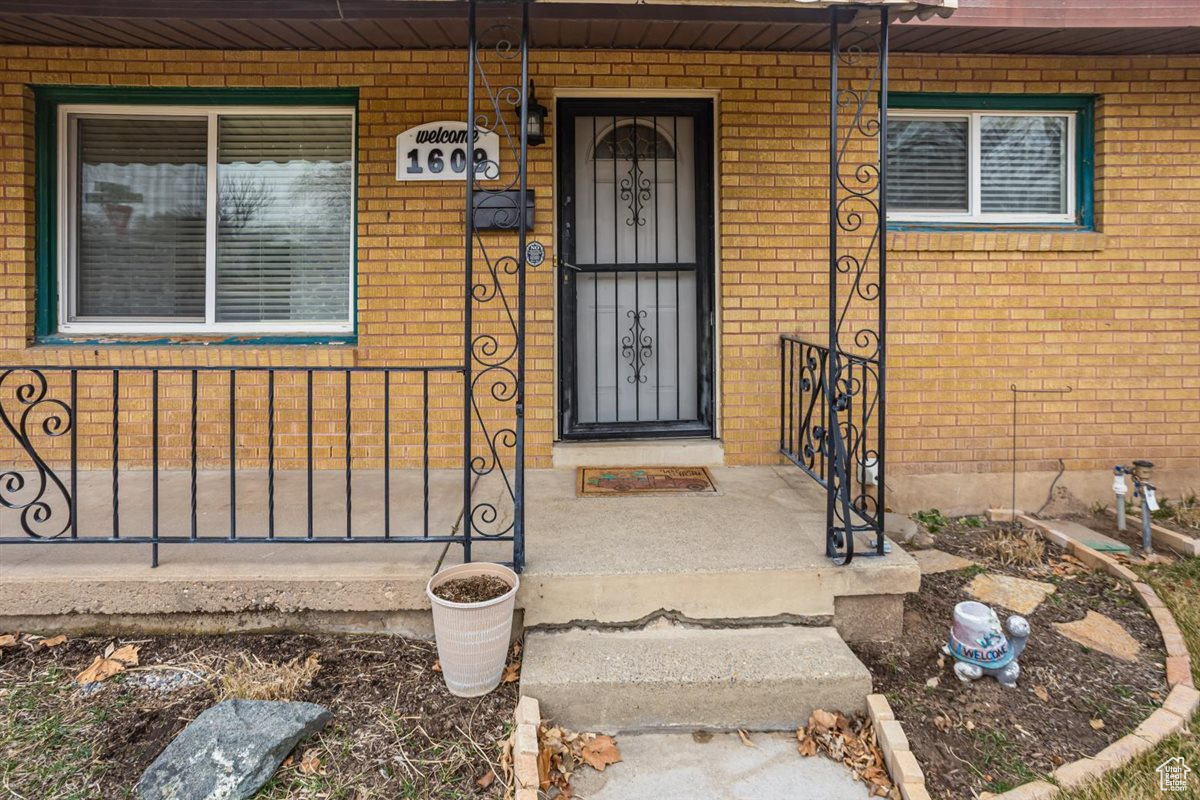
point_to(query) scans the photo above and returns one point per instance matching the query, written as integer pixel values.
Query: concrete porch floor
(754, 550)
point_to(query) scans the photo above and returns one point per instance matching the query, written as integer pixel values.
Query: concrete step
(754, 550)
(768, 678)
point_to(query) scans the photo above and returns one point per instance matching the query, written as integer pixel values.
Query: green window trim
(47, 99)
(1083, 106)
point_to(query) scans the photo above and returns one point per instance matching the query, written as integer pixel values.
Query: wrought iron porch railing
(242, 438)
(836, 438)
(141, 455)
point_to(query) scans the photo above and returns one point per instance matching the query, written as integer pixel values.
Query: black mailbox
(497, 211)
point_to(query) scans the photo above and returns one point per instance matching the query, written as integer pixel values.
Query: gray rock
(922, 541)
(230, 751)
(899, 527)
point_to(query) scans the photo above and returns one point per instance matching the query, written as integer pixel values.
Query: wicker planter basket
(472, 638)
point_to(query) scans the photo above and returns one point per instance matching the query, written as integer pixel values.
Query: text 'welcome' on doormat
(632, 481)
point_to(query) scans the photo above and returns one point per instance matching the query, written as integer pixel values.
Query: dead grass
(248, 677)
(1179, 587)
(1183, 513)
(1020, 548)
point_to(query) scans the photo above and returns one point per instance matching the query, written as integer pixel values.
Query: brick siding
(1114, 314)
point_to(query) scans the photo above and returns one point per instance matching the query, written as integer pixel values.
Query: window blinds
(928, 164)
(283, 231)
(1023, 164)
(980, 166)
(140, 237)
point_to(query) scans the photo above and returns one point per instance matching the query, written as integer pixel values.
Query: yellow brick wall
(1116, 314)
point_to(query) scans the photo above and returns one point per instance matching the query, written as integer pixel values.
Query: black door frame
(701, 110)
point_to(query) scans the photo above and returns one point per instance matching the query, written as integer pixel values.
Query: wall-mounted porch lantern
(535, 119)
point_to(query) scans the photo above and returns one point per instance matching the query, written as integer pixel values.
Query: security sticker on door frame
(437, 151)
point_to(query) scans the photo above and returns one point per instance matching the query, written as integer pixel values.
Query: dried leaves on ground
(13, 640)
(113, 662)
(512, 671)
(850, 742)
(561, 752)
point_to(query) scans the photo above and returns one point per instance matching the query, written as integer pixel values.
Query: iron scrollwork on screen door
(637, 191)
(498, 82)
(857, 274)
(638, 346)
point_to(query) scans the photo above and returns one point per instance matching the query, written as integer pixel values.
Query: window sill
(1020, 240)
(192, 340)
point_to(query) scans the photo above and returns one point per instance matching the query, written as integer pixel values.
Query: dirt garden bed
(1070, 702)
(1103, 521)
(397, 733)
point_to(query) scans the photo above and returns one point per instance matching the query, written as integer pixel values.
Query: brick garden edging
(901, 763)
(528, 718)
(1172, 717)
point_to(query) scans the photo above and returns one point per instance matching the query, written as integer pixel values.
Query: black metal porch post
(468, 290)
(884, 21)
(831, 420)
(854, 383)
(497, 217)
(523, 236)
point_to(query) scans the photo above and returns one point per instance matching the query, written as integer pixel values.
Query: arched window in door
(642, 160)
(633, 140)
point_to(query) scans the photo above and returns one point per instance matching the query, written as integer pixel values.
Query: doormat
(630, 481)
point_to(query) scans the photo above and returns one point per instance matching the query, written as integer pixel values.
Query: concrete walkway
(676, 766)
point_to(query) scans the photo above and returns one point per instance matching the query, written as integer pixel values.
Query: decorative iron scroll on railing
(817, 445)
(206, 455)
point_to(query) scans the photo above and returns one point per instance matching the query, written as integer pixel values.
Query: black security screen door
(636, 268)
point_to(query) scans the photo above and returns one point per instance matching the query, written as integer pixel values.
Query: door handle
(569, 265)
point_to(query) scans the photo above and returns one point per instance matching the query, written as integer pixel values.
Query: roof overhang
(981, 26)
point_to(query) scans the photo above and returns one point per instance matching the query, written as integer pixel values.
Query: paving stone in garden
(1098, 632)
(1015, 594)
(1091, 538)
(932, 562)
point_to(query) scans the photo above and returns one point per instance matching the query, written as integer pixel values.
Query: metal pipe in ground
(1149, 504)
(1120, 489)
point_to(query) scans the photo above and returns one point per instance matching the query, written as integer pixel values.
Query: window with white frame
(992, 167)
(178, 219)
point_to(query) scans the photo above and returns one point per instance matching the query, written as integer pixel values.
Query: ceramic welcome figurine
(980, 647)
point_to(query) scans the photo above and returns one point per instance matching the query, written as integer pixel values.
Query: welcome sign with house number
(438, 151)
